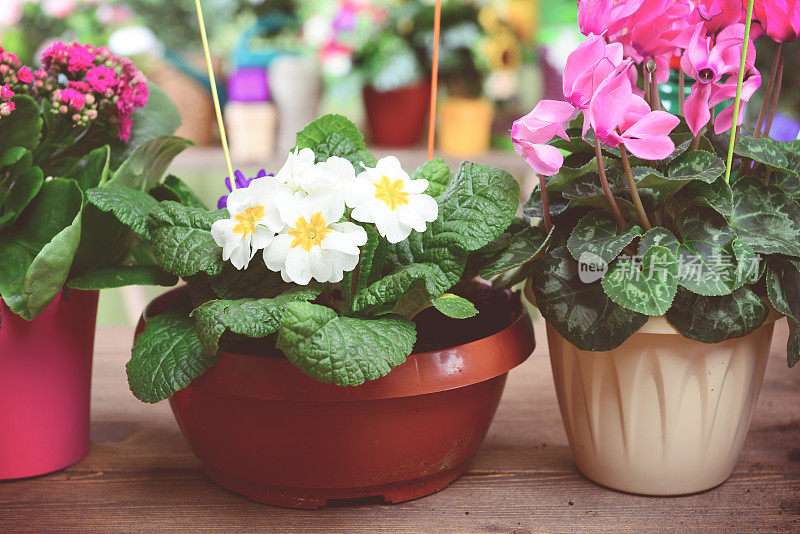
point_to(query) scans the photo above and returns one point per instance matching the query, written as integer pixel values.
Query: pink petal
(543, 159)
(654, 124)
(696, 109)
(652, 148)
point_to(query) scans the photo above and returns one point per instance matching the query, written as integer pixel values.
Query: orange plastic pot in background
(465, 126)
(397, 118)
(264, 429)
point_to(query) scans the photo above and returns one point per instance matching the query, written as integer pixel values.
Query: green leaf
(23, 127)
(783, 289)
(763, 150)
(372, 260)
(658, 237)
(16, 160)
(581, 312)
(131, 207)
(589, 185)
(144, 169)
(437, 172)
(343, 350)
(166, 357)
(706, 244)
(533, 206)
(256, 318)
(176, 189)
(254, 282)
(789, 181)
(524, 246)
(36, 259)
(182, 240)
(793, 345)
(23, 190)
(717, 196)
(478, 205)
(140, 275)
(158, 117)
(93, 170)
(715, 319)
(648, 288)
(765, 217)
(334, 135)
(598, 235)
(697, 165)
(455, 306)
(566, 175)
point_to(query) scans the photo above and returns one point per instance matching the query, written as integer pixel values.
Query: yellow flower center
(247, 220)
(390, 192)
(309, 234)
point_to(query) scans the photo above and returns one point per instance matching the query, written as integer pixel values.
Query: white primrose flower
(315, 244)
(387, 196)
(254, 221)
(303, 175)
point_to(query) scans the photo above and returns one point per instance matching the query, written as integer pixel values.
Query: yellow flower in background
(503, 51)
(523, 16)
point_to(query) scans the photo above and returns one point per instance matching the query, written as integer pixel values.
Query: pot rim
(422, 373)
(655, 325)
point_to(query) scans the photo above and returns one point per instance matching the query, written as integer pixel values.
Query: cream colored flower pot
(661, 414)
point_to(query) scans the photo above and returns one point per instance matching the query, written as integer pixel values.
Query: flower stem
(637, 200)
(770, 87)
(738, 102)
(681, 91)
(695, 142)
(775, 96)
(654, 91)
(612, 203)
(545, 204)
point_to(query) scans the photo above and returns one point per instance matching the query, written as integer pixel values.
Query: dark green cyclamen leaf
(566, 175)
(763, 150)
(23, 189)
(533, 207)
(765, 217)
(158, 117)
(254, 318)
(648, 287)
(581, 312)
(774, 290)
(524, 246)
(182, 240)
(176, 189)
(37, 257)
(658, 237)
(703, 253)
(645, 177)
(166, 357)
(334, 135)
(437, 172)
(23, 128)
(93, 170)
(139, 275)
(129, 206)
(789, 181)
(144, 168)
(601, 203)
(514, 276)
(343, 350)
(717, 196)
(750, 267)
(598, 235)
(715, 319)
(478, 205)
(455, 306)
(697, 165)
(793, 345)
(783, 289)
(588, 185)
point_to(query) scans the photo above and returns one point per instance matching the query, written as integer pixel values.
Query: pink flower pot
(45, 379)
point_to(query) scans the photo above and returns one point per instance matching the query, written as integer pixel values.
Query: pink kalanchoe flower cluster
(99, 86)
(14, 78)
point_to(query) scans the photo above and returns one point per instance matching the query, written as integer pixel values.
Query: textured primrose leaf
(129, 206)
(523, 247)
(343, 350)
(455, 306)
(765, 217)
(176, 189)
(254, 318)
(706, 243)
(648, 288)
(166, 357)
(598, 234)
(658, 237)
(697, 165)
(437, 172)
(254, 282)
(145, 168)
(139, 275)
(715, 319)
(334, 135)
(182, 240)
(579, 311)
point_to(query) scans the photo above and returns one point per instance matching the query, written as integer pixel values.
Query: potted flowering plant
(74, 135)
(326, 344)
(659, 268)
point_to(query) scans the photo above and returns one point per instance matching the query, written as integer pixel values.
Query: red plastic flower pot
(397, 118)
(45, 382)
(265, 430)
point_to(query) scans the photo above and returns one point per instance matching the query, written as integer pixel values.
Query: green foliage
(131, 207)
(715, 319)
(765, 217)
(598, 236)
(523, 247)
(139, 275)
(647, 288)
(335, 135)
(23, 128)
(437, 172)
(146, 166)
(454, 306)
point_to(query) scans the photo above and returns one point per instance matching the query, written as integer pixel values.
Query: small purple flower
(242, 182)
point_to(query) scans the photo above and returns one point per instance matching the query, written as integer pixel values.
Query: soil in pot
(263, 429)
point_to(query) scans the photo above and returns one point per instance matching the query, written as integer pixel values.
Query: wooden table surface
(141, 477)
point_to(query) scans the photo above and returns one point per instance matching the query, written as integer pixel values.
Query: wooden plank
(141, 477)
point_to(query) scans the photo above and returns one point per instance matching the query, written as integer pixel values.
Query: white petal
(297, 266)
(341, 263)
(261, 238)
(390, 166)
(345, 237)
(319, 265)
(359, 190)
(411, 217)
(241, 255)
(425, 205)
(275, 252)
(389, 226)
(420, 185)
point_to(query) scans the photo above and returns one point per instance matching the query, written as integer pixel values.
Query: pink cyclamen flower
(5, 91)
(531, 133)
(708, 63)
(605, 17)
(716, 15)
(101, 78)
(621, 117)
(780, 19)
(25, 75)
